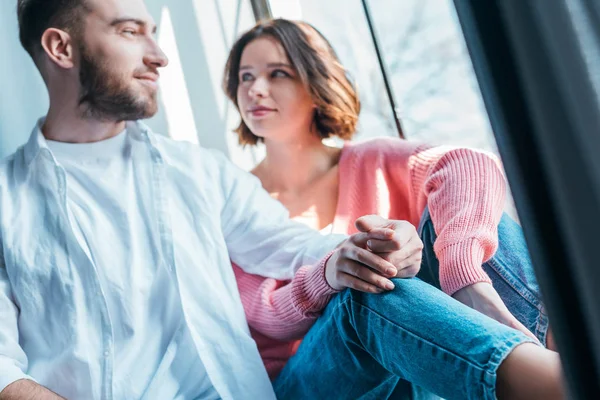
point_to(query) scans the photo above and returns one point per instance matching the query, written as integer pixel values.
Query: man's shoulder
(182, 151)
(192, 160)
(8, 164)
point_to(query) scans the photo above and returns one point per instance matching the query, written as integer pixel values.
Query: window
(436, 91)
(197, 36)
(426, 57)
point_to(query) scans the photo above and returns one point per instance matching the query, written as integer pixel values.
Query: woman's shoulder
(380, 149)
(389, 152)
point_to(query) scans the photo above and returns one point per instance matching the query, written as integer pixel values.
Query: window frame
(543, 111)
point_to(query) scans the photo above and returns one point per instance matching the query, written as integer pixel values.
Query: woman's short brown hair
(319, 70)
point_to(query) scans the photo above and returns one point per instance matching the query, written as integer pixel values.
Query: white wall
(23, 94)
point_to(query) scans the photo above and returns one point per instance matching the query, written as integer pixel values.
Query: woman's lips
(260, 111)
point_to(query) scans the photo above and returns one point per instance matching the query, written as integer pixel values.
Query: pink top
(465, 190)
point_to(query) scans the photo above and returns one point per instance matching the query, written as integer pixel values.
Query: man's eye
(130, 32)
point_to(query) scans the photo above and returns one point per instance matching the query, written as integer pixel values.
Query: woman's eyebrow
(270, 65)
(273, 65)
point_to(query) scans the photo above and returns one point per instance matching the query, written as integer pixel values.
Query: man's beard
(105, 97)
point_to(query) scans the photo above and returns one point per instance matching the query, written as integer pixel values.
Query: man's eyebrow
(136, 21)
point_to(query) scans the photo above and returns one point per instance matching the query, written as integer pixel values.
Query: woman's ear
(58, 46)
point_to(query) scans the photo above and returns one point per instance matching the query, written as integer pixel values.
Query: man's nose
(155, 56)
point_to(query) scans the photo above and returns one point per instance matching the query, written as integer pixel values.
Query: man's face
(119, 61)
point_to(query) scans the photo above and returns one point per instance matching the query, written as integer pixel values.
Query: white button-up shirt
(55, 327)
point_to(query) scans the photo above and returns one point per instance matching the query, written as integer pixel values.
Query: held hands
(382, 249)
(483, 297)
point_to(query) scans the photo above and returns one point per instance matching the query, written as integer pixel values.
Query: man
(115, 279)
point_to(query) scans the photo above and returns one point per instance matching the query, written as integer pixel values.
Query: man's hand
(26, 389)
(404, 249)
(382, 249)
(483, 297)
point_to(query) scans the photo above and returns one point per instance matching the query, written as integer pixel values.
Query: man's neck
(67, 126)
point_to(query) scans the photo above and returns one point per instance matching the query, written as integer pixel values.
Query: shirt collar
(37, 141)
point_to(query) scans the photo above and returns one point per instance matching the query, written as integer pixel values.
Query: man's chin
(148, 107)
(120, 115)
(150, 111)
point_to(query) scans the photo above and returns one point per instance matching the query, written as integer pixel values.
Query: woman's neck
(291, 167)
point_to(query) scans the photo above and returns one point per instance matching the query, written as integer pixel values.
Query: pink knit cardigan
(465, 191)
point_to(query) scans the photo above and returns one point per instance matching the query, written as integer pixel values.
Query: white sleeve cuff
(10, 373)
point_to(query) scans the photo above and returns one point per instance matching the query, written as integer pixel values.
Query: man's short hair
(35, 16)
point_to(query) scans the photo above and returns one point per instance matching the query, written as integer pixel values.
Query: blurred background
(437, 96)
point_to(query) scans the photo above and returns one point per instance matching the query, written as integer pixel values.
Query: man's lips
(149, 79)
(149, 76)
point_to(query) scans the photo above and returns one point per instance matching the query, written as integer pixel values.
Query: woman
(292, 92)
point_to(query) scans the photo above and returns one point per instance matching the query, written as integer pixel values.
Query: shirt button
(106, 354)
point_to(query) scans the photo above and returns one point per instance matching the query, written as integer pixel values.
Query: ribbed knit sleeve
(284, 310)
(465, 191)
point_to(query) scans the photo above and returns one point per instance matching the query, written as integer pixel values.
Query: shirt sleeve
(285, 310)
(260, 236)
(13, 361)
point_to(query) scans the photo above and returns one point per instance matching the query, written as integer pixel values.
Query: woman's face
(272, 101)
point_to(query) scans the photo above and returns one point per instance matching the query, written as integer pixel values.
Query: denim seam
(531, 299)
(541, 323)
(481, 367)
(541, 327)
(499, 355)
(488, 371)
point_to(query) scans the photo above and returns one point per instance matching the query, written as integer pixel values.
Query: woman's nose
(259, 88)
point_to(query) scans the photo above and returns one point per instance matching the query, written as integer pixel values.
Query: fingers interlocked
(382, 249)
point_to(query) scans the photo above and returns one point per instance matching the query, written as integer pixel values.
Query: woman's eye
(278, 73)
(246, 77)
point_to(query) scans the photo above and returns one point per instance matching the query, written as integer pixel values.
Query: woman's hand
(483, 297)
(382, 249)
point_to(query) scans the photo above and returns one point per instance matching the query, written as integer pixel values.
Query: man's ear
(58, 46)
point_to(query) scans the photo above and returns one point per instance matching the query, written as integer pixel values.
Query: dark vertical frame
(382, 67)
(545, 115)
(261, 10)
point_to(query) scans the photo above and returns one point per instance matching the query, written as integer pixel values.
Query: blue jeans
(510, 270)
(368, 346)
